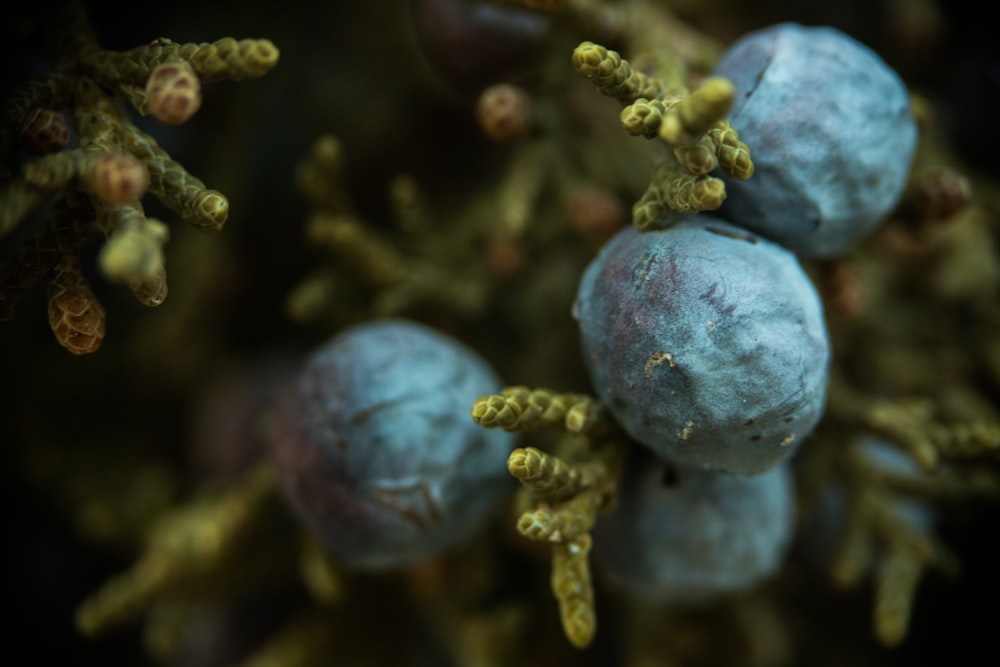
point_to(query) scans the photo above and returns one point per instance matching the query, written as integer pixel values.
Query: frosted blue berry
(682, 535)
(707, 343)
(375, 449)
(831, 133)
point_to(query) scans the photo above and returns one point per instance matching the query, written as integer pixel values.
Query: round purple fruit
(706, 342)
(831, 132)
(375, 449)
(684, 536)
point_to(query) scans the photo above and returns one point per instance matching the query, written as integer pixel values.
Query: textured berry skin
(831, 133)
(684, 536)
(706, 342)
(375, 448)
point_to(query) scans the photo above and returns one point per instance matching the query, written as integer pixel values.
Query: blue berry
(707, 343)
(831, 133)
(375, 449)
(683, 535)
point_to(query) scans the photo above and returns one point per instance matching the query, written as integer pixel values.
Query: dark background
(353, 69)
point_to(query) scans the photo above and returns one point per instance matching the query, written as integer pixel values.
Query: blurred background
(94, 446)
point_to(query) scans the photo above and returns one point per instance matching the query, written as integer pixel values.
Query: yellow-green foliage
(109, 170)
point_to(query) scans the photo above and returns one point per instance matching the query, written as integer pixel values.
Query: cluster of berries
(706, 338)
